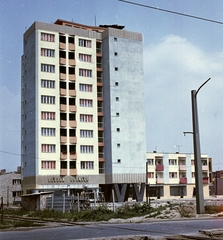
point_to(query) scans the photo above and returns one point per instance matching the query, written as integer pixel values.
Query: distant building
(10, 186)
(218, 183)
(171, 175)
(83, 115)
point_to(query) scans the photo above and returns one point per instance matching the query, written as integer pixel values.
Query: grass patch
(212, 209)
(49, 214)
(101, 213)
(15, 211)
(16, 224)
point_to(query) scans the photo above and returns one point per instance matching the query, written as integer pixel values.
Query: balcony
(63, 76)
(71, 47)
(63, 61)
(99, 81)
(73, 172)
(183, 168)
(72, 123)
(205, 180)
(73, 139)
(72, 92)
(100, 126)
(99, 67)
(100, 96)
(73, 155)
(63, 155)
(63, 107)
(62, 45)
(63, 139)
(160, 180)
(72, 77)
(101, 157)
(98, 52)
(72, 62)
(63, 123)
(72, 108)
(63, 172)
(63, 91)
(159, 167)
(204, 167)
(100, 111)
(183, 180)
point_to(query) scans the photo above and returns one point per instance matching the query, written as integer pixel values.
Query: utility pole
(197, 152)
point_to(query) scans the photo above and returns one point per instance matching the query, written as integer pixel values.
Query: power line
(169, 11)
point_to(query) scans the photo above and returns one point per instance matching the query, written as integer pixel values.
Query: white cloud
(173, 68)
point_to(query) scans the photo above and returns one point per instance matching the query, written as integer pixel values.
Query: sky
(180, 53)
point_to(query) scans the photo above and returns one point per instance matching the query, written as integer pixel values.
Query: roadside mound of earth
(170, 211)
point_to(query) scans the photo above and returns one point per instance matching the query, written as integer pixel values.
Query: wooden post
(2, 209)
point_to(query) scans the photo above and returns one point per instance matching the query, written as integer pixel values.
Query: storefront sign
(71, 180)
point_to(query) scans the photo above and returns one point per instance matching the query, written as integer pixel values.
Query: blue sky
(180, 53)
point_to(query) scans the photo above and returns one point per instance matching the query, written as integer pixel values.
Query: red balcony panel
(205, 180)
(73, 155)
(183, 180)
(73, 172)
(63, 155)
(159, 167)
(63, 172)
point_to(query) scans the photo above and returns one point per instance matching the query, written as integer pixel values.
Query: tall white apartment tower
(83, 115)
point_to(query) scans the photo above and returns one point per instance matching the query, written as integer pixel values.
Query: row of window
(51, 84)
(48, 131)
(47, 37)
(51, 148)
(171, 175)
(51, 100)
(48, 115)
(85, 72)
(45, 52)
(16, 181)
(47, 99)
(86, 103)
(86, 118)
(51, 38)
(51, 69)
(47, 68)
(172, 162)
(52, 132)
(51, 115)
(52, 164)
(47, 83)
(85, 57)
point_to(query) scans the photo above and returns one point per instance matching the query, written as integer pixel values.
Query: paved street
(153, 229)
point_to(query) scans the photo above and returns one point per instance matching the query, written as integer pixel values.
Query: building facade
(217, 182)
(173, 175)
(10, 188)
(79, 117)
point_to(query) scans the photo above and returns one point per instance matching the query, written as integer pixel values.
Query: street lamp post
(197, 152)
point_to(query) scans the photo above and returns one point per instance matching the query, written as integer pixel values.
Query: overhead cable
(169, 11)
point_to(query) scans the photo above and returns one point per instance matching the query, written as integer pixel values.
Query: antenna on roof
(95, 21)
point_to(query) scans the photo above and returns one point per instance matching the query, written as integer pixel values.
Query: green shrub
(211, 209)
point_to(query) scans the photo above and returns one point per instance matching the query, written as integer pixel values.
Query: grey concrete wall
(29, 119)
(123, 78)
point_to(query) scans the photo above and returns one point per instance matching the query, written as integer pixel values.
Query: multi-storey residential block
(83, 116)
(10, 188)
(171, 175)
